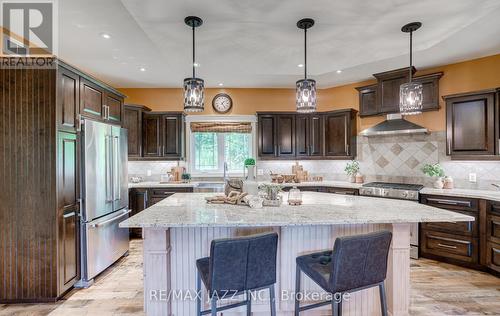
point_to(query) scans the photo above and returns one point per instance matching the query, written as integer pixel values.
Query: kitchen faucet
(225, 171)
(496, 185)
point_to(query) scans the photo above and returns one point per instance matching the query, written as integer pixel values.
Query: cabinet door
(152, 138)
(114, 105)
(67, 209)
(68, 88)
(286, 136)
(493, 256)
(430, 93)
(173, 136)
(337, 131)
(316, 135)
(389, 94)
(132, 121)
(470, 125)
(368, 99)
(302, 135)
(91, 100)
(267, 137)
(138, 202)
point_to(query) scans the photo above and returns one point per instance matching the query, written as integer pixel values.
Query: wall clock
(222, 103)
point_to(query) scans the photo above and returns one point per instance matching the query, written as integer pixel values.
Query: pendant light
(411, 93)
(305, 88)
(194, 88)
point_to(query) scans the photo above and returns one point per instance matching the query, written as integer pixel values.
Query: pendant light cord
(411, 54)
(193, 54)
(305, 53)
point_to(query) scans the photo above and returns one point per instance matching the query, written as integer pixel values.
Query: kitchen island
(179, 229)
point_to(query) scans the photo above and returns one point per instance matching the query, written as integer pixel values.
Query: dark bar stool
(237, 266)
(356, 263)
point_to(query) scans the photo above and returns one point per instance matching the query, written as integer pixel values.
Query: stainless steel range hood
(394, 125)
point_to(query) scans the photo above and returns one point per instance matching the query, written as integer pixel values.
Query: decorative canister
(294, 196)
(448, 183)
(359, 178)
(438, 184)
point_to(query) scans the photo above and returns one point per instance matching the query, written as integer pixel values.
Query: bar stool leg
(249, 303)
(383, 299)
(335, 308)
(198, 294)
(272, 300)
(297, 290)
(214, 305)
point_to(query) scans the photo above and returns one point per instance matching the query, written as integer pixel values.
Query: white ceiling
(256, 43)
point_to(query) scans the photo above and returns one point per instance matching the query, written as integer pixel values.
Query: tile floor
(437, 289)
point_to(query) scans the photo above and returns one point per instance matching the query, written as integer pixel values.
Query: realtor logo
(28, 28)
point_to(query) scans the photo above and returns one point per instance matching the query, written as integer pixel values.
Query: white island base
(170, 256)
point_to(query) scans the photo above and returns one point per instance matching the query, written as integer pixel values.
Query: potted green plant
(434, 171)
(186, 177)
(351, 169)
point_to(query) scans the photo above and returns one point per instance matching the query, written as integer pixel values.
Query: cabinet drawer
(460, 228)
(494, 209)
(450, 246)
(345, 191)
(493, 256)
(493, 227)
(165, 192)
(450, 203)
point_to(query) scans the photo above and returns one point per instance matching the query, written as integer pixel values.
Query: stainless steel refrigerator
(105, 198)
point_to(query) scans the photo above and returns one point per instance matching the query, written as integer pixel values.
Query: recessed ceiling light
(142, 69)
(339, 71)
(300, 65)
(105, 35)
(196, 64)
(221, 84)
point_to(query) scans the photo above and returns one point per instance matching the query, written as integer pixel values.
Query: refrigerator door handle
(125, 212)
(108, 152)
(116, 168)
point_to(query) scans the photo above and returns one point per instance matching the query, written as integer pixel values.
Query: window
(209, 151)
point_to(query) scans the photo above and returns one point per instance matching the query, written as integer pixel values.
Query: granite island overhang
(179, 229)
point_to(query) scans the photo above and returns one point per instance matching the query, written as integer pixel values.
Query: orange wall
(477, 74)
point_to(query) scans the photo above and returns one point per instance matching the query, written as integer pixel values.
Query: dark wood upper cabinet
(267, 137)
(163, 135)
(173, 136)
(67, 99)
(309, 135)
(471, 125)
(388, 89)
(132, 121)
(286, 135)
(430, 93)
(91, 100)
(368, 100)
(383, 97)
(340, 135)
(114, 105)
(289, 135)
(151, 135)
(98, 103)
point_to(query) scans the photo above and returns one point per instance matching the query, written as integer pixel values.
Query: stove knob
(404, 194)
(385, 193)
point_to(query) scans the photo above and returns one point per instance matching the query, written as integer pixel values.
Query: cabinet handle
(448, 149)
(498, 148)
(79, 123)
(347, 149)
(449, 239)
(447, 246)
(449, 202)
(69, 215)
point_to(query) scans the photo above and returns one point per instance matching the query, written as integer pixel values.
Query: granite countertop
(470, 193)
(153, 184)
(191, 210)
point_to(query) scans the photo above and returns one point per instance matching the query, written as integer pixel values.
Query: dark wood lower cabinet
(471, 244)
(336, 190)
(142, 198)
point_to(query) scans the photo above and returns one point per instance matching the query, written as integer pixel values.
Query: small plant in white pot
(434, 171)
(351, 169)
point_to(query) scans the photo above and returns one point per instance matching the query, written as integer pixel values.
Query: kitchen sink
(209, 187)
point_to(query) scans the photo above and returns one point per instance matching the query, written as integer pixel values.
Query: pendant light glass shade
(305, 89)
(410, 98)
(306, 96)
(194, 95)
(411, 93)
(194, 88)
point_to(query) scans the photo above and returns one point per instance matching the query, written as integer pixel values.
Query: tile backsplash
(382, 158)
